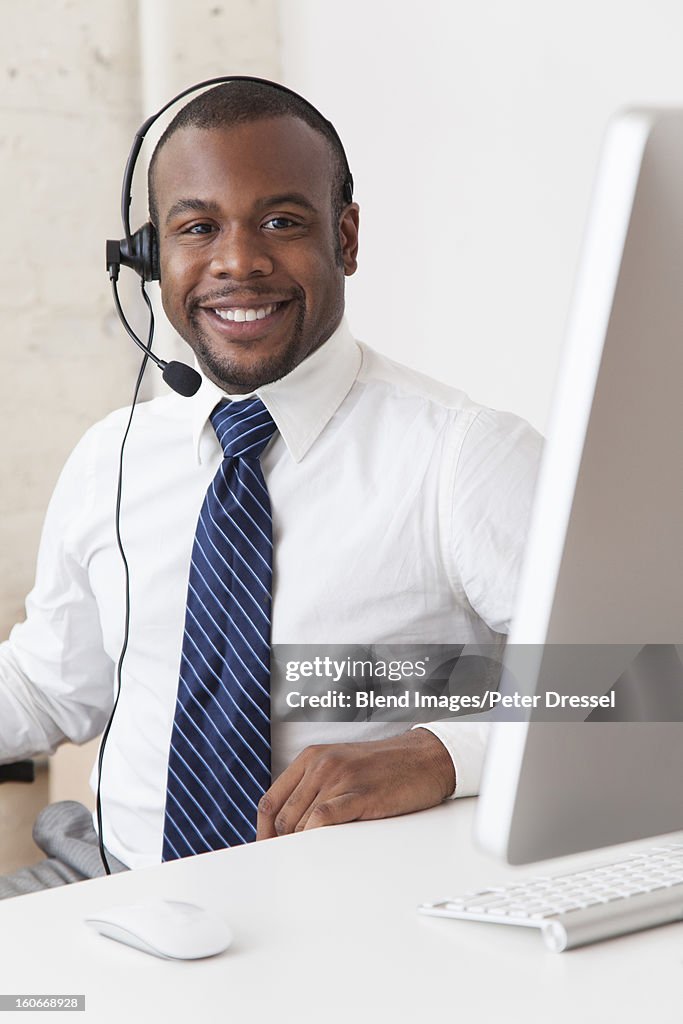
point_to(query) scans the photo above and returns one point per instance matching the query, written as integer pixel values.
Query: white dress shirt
(399, 515)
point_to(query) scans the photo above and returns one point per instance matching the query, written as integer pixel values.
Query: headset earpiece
(141, 254)
(149, 251)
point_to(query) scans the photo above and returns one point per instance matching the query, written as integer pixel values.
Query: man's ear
(348, 238)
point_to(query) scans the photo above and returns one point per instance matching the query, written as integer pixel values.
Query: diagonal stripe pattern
(219, 760)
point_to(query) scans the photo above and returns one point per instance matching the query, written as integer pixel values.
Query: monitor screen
(599, 611)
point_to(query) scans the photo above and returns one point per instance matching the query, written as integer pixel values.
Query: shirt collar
(302, 403)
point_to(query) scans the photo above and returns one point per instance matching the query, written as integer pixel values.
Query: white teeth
(242, 315)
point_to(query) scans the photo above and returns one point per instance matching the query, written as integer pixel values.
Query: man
(375, 507)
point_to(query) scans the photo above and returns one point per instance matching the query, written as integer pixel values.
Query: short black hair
(241, 102)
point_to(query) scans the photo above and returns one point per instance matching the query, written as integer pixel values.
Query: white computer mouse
(166, 928)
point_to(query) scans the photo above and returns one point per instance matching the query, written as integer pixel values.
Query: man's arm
(490, 490)
(26, 729)
(55, 677)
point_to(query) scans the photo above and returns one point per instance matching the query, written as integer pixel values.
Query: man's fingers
(335, 811)
(273, 800)
(296, 806)
(306, 807)
(303, 820)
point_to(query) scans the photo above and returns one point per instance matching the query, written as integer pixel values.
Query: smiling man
(311, 493)
(253, 246)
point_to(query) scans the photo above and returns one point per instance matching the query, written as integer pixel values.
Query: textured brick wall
(69, 97)
(76, 79)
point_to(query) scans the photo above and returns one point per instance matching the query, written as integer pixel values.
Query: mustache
(245, 295)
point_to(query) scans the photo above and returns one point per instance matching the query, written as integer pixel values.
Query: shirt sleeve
(56, 680)
(490, 489)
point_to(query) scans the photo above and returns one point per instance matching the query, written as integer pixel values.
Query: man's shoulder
(157, 423)
(148, 415)
(380, 371)
(481, 424)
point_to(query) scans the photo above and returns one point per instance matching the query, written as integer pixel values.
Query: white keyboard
(639, 891)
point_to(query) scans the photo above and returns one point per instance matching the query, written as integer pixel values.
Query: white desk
(326, 930)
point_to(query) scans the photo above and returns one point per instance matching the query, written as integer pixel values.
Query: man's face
(252, 265)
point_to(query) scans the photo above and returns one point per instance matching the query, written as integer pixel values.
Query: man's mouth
(246, 314)
(245, 323)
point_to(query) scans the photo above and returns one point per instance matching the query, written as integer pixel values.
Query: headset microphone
(180, 377)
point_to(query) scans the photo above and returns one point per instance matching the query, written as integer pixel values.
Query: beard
(233, 375)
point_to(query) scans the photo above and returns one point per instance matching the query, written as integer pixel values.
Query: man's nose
(240, 254)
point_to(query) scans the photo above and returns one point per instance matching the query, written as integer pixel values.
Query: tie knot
(243, 428)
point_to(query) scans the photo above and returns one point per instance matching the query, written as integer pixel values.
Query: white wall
(473, 131)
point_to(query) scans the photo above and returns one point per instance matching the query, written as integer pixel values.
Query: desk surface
(326, 930)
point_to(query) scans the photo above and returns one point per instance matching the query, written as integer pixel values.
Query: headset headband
(139, 250)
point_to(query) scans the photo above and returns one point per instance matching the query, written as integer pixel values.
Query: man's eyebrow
(196, 205)
(285, 198)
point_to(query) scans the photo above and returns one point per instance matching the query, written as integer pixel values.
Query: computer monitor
(600, 600)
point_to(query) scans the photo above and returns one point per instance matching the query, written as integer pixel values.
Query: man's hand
(331, 783)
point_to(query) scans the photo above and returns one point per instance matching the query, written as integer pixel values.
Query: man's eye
(198, 229)
(280, 223)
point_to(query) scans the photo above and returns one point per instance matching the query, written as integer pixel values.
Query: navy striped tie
(219, 761)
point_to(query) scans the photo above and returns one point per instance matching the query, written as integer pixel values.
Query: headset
(139, 250)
